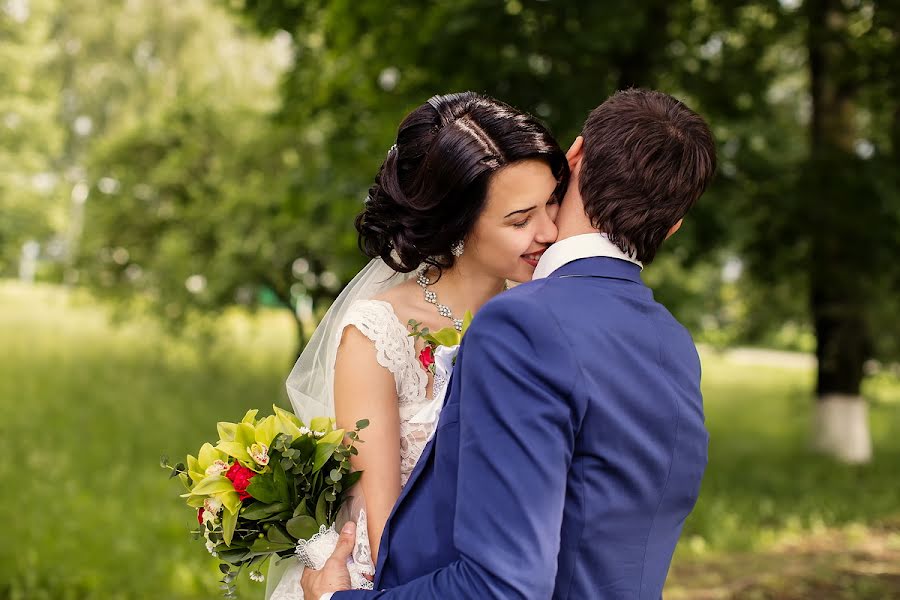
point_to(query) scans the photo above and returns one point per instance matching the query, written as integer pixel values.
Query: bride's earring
(458, 248)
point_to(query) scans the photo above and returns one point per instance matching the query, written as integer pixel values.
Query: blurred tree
(802, 97)
(193, 198)
(29, 141)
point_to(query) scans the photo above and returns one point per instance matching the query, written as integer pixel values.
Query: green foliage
(791, 218)
(113, 396)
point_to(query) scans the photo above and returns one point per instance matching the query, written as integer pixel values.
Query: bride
(464, 202)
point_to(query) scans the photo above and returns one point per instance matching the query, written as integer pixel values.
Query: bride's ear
(575, 153)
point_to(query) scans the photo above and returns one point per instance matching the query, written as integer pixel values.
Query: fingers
(345, 544)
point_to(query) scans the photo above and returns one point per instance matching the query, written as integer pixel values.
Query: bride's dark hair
(432, 185)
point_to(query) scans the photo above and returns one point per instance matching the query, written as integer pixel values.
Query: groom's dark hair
(647, 158)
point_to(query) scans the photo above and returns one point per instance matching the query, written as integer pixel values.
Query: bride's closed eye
(553, 201)
(522, 224)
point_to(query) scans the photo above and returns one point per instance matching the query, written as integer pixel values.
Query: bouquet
(267, 484)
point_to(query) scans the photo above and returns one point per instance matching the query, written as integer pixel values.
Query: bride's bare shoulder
(400, 297)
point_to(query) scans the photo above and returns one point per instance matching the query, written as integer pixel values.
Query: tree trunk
(837, 304)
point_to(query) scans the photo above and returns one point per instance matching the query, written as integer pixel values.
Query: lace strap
(395, 349)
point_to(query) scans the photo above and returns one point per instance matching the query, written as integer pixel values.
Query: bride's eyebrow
(520, 211)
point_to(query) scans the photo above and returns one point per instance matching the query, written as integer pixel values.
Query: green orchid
(249, 440)
(207, 471)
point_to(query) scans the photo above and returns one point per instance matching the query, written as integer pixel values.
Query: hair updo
(433, 183)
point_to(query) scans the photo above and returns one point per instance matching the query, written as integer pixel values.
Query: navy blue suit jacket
(567, 456)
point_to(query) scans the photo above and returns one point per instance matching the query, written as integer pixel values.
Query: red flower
(426, 357)
(200, 515)
(240, 476)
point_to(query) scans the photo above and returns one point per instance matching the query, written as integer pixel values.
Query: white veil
(310, 385)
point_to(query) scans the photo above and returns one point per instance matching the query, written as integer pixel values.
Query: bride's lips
(532, 258)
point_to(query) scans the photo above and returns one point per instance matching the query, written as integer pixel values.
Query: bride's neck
(463, 288)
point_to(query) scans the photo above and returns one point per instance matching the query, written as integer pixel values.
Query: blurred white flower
(388, 78)
(195, 284)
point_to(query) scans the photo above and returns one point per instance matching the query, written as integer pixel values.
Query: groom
(572, 444)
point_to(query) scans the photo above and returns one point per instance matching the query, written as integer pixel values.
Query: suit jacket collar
(577, 247)
(610, 268)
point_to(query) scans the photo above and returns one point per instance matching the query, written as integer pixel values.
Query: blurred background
(178, 180)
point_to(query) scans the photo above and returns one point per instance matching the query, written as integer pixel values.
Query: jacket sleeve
(518, 423)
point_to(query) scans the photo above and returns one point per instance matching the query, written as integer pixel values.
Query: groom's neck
(571, 220)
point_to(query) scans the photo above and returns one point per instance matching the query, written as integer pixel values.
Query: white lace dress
(396, 352)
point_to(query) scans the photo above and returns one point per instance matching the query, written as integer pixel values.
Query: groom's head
(641, 162)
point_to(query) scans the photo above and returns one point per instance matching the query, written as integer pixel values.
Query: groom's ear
(575, 153)
(674, 228)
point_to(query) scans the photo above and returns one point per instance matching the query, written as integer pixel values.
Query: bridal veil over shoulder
(310, 385)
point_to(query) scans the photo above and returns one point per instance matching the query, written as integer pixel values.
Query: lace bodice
(396, 352)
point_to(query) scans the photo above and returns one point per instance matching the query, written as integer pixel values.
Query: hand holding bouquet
(266, 485)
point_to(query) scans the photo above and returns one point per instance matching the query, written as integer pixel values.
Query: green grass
(88, 407)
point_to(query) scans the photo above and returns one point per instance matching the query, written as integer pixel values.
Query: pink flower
(240, 476)
(426, 357)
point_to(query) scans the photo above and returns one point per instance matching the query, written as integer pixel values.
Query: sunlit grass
(89, 406)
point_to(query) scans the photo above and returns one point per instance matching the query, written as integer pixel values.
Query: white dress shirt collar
(587, 245)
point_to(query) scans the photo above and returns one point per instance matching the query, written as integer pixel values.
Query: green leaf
(233, 556)
(362, 423)
(302, 527)
(467, 320)
(325, 448)
(262, 487)
(224, 568)
(261, 510)
(350, 479)
(278, 535)
(306, 446)
(301, 509)
(264, 546)
(278, 517)
(229, 521)
(322, 510)
(282, 485)
(335, 475)
(448, 336)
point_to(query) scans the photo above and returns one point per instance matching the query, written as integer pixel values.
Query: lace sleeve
(395, 349)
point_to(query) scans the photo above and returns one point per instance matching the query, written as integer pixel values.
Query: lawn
(89, 405)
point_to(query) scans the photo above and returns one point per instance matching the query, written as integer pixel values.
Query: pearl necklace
(431, 298)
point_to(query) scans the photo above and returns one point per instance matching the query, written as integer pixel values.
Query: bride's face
(517, 223)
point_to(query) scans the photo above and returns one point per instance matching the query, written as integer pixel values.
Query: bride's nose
(546, 231)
